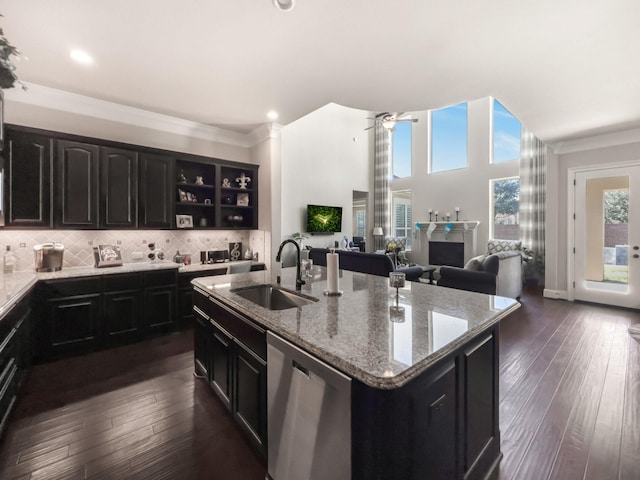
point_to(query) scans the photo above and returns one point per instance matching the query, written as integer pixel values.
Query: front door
(607, 236)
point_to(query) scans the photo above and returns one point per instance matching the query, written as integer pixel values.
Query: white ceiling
(567, 69)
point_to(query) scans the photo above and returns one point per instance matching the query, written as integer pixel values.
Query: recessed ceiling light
(81, 56)
(284, 5)
(272, 115)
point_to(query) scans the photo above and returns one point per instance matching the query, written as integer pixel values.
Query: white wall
(556, 278)
(325, 156)
(466, 188)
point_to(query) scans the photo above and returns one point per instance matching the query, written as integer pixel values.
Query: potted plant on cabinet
(8, 76)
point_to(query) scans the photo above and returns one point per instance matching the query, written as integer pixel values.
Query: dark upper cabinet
(156, 191)
(118, 188)
(76, 182)
(57, 180)
(27, 180)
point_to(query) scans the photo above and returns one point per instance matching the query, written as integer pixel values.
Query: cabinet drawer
(7, 349)
(8, 377)
(132, 281)
(240, 327)
(67, 288)
(162, 277)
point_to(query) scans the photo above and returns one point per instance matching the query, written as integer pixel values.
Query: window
(449, 138)
(505, 199)
(360, 224)
(507, 131)
(401, 149)
(401, 218)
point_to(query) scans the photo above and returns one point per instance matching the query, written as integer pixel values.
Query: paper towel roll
(332, 273)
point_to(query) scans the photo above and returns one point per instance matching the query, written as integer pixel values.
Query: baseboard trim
(555, 294)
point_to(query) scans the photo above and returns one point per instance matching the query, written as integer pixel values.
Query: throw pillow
(475, 263)
(495, 246)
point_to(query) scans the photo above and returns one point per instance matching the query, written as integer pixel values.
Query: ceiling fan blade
(369, 128)
(412, 120)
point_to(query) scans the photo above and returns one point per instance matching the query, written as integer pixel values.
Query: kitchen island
(422, 371)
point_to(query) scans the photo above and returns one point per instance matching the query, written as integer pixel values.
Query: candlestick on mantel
(457, 213)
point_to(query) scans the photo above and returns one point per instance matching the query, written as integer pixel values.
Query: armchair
(497, 273)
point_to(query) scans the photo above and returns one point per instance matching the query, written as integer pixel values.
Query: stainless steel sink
(273, 298)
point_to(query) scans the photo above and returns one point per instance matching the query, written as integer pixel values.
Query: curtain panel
(381, 184)
(533, 176)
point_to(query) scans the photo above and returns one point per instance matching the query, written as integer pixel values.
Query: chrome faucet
(299, 281)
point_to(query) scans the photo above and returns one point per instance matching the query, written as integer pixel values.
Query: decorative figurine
(243, 180)
(199, 181)
(226, 183)
(181, 177)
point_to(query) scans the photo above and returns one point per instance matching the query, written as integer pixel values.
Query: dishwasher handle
(303, 370)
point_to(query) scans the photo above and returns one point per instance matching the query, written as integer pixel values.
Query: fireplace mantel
(464, 231)
(464, 225)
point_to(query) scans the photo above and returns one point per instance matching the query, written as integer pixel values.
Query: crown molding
(61, 100)
(597, 141)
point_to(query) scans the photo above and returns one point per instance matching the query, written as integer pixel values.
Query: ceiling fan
(389, 120)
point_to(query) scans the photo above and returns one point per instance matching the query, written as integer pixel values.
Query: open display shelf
(211, 195)
(238, 197)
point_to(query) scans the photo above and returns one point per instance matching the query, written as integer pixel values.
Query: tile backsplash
(78, 244)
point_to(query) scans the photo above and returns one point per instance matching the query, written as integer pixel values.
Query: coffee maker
(48, 256)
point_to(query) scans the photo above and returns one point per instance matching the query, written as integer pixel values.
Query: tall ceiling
(567, 69)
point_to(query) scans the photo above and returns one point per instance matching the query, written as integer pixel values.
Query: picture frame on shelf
(242, 200)
(184, 221)
(183, 195)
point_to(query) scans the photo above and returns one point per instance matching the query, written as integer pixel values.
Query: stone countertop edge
(269, 319)
(16, 285)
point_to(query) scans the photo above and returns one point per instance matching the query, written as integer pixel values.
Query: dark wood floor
(569, 392)
(570, 407)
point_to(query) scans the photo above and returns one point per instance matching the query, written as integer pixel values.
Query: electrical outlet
(137, 255)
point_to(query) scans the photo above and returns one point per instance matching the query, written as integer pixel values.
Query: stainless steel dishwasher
(309, 415)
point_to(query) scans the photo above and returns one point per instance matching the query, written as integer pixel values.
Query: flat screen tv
(324, 219)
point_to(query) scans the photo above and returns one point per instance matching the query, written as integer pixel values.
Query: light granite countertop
(362, 332)
(16, 285)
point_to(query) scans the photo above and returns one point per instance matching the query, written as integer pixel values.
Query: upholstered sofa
(371, 263)
(499, 272)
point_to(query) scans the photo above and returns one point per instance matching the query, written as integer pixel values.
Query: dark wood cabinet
(71, 317)
(122, 308)
(237, 366)
(442, 424)
(92, 313)
(27, 179)
(186, 296)
(481, 400)
(156, 183)
(160, 301)
(58, 180)
(201, 348)
(118, 188)
(221, 364)
(15, 355)
(250, 394)
(76, 182)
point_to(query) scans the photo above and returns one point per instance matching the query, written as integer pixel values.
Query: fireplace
(446, 253)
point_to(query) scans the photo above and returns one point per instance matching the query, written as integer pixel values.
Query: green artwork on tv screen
(322, 218)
